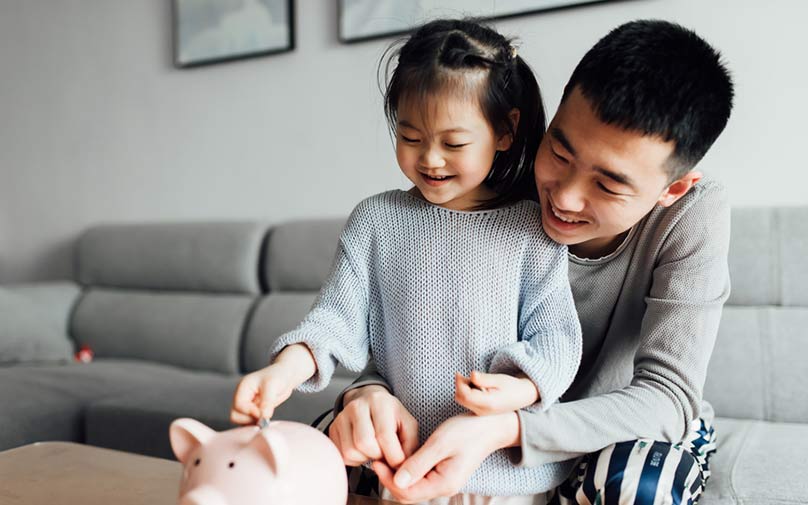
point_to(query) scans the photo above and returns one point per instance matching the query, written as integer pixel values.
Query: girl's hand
(374, 425)
(446, 460)
(486, 394)
(258, 393)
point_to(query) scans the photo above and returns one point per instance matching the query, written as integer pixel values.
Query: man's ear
(505, 141)
(679, 188)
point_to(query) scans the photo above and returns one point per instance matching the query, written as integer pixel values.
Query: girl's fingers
(240, 418)
(485, 380)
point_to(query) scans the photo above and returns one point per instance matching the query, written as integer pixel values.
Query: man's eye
(456, 146)
(607, 190)
(560, 158)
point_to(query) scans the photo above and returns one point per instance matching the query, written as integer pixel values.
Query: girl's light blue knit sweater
(427, 292)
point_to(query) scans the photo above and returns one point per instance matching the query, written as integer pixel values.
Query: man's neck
(598, 247)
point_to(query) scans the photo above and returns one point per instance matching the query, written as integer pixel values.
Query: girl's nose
(431, 158)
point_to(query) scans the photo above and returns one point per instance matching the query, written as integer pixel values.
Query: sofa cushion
(767, 256)
(759, 463)
(758, 369)
(299, 254)
(274, 315)
(34, 322)
(192, 330)
(48, 401)
(219, 257)
(138, 421)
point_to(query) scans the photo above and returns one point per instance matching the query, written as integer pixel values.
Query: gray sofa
(174, 313)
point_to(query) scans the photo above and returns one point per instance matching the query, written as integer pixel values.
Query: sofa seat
(138, 422)
(758, 463)
(50, 399)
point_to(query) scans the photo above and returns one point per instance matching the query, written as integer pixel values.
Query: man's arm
(683, 309)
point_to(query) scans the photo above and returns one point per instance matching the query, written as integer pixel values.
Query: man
(648, 241)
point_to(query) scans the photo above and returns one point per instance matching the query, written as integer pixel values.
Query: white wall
(96, 125)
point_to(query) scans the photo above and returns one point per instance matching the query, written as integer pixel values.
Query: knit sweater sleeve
(690, 283)
(548, 350)
(335, 329)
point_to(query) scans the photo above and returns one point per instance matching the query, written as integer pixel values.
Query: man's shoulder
(707, 201)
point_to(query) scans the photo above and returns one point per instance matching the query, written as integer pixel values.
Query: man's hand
(487, 394)
(374, 425)
(446, 460)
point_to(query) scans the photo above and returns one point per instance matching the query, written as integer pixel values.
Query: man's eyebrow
(617, 177)
(559, 136)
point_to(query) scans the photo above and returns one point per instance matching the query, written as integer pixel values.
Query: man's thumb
(416, 466)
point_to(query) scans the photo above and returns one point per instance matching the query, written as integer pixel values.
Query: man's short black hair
(660, 79)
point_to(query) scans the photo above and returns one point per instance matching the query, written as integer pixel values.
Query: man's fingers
(350, 455)
(408, 434)
(364, 436)
(418, 465)
(385, 429)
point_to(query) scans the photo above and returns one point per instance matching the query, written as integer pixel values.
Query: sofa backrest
(297, 259)
(758, 369)
(174, 293)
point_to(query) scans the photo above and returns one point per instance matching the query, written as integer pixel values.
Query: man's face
(596, 181)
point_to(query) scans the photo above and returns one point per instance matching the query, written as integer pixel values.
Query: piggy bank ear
(273, 446)
(186, 435)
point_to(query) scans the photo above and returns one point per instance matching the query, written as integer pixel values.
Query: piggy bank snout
(203, 495)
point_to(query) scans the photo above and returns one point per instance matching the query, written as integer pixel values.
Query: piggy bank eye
(231, 465)
(196, 463)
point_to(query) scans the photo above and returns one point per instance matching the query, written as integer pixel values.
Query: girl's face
(446, 148)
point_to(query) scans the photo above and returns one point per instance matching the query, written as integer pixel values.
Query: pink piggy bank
(285, 463)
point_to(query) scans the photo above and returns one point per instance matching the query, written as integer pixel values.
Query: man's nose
(569, 195)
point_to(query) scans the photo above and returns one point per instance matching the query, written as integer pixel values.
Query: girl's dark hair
(448, 55)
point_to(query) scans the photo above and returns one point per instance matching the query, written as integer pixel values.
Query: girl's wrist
(297, 362)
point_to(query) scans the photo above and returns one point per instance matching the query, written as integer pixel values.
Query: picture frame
(214, 31)
(361, 20)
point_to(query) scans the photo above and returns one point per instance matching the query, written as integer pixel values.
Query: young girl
(454, 275)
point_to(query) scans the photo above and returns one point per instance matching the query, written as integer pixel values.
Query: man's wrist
(354, 393)
(510, 431)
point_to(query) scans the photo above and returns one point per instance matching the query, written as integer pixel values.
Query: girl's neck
(469, 202)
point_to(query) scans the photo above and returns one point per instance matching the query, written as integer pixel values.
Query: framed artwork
(211, 31)
(372, 19)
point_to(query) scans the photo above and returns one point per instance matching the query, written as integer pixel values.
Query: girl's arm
(334, 331)
(548, 352)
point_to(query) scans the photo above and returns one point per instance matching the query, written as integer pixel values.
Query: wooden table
(64, 473)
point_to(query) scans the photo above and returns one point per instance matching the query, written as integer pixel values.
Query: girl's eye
(456, 146)
(409, 140)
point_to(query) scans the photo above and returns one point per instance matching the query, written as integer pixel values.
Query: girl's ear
(505, 141)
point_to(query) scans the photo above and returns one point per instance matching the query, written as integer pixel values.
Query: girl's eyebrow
(456, 129)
